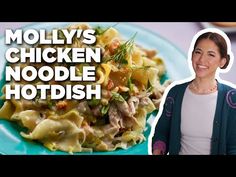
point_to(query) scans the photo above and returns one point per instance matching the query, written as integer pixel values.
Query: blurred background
(179, 33)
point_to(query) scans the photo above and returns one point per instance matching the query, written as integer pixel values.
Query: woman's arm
(231, 142)
(231, 128)
(160, 140)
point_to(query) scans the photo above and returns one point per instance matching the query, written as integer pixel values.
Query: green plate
(11, 141)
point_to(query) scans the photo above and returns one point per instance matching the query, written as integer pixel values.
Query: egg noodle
(129, 76)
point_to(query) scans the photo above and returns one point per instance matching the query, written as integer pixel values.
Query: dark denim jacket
(167, 131)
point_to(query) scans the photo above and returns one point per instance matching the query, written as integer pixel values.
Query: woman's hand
(157, 152)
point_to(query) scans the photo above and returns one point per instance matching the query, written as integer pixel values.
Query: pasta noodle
(130, 79)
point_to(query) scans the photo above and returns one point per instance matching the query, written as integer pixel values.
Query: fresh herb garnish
(125, 95)
(100, 30)
(149, 86)
(105, 109)
(61, 35)
(37, 98)
(51, 103)
(117, 97)
(130, 84)
(122, 51)
(93, 102)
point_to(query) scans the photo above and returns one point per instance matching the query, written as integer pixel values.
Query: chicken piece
(84, 108)
(114, 116)
(124, 108)
(133, 103)
(97, 111)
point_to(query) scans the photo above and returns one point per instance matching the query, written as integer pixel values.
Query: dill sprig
(100, 30)
(122, 51)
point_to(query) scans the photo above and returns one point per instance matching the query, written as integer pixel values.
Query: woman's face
(206, 59)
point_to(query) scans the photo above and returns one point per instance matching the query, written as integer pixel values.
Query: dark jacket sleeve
(231, 132)
(160, 139)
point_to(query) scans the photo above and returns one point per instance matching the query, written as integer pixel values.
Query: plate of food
(227, 27)
(136, 67)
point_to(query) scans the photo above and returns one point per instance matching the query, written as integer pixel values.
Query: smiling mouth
(202, 67)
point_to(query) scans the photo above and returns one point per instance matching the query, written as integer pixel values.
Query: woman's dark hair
(220, 43)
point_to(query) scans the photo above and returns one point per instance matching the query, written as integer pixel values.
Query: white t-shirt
(197, 116)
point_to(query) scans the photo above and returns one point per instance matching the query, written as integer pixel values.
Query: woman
(199, 116)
